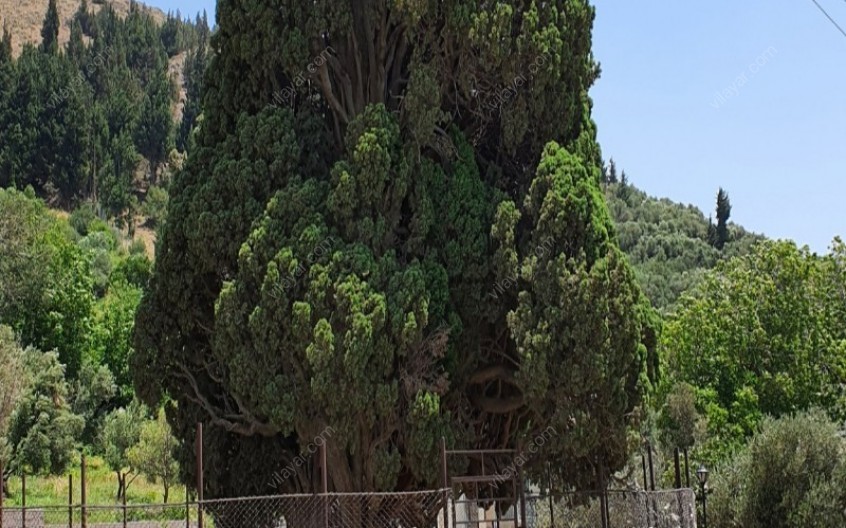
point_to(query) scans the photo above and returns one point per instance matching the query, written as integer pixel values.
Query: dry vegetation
(24, 18)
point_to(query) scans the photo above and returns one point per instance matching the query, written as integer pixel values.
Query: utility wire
(821, 8)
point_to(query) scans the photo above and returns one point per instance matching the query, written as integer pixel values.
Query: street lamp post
(702, 477)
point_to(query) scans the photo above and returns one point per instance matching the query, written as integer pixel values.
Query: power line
(829, 17)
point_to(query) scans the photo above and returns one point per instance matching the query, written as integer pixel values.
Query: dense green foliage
(46, 286)
(77, 125)
(92, 395)
(763, 334)
(384, 255)
(71, 300)
(792, 474)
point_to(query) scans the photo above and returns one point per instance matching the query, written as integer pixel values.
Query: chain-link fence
(117, 516)
(333, 510)
(623, 509)
(425, 509)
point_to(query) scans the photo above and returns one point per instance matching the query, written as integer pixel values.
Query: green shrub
(105, 240)
(82, 217)
(137, 247)
(791, 475)
(135, 270)
(155, 206)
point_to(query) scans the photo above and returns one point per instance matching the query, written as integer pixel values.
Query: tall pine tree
(75, 49)
(723, 213)
(50, 29)
(5, 45)
(193, 71)
(155, 123)
(612, 172)
(85, 19)
(7, 113)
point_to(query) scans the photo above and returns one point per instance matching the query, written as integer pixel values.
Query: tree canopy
(762, 335)
(121, 432)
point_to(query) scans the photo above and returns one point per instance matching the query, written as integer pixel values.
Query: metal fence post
(650, 510)
(522, 499)
(2, 492)
(651, 468)
(324, 478)
(199, 451)
(603, 499)
(187, 509)
(677, 463)
(549, 492)
(444, 481)
(82, 490)
(23, 500)
(70, 501)
(686, 469)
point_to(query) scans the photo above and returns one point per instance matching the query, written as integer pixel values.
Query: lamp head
(702, 475)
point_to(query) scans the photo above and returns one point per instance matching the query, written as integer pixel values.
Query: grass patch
(101, 488)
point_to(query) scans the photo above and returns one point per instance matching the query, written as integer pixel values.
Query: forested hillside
(670, 245)
(91, 121)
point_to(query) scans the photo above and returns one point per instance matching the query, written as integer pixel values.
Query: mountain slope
(25, 17)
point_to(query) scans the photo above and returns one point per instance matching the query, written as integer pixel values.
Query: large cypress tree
(385, 256)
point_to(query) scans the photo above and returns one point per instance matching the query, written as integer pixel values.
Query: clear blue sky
(749, 95)
(776, 139)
